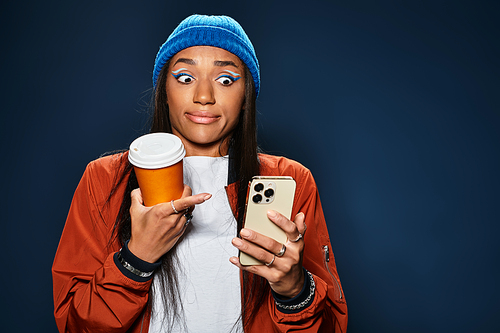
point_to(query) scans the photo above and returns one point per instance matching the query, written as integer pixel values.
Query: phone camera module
(262, 191)
(258, 187)
(269, 192)
(257, 198)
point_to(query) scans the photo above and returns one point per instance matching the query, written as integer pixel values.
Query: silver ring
(269, 264)
(173, 207)
(188, 217)
(282, 251)
(297, 239)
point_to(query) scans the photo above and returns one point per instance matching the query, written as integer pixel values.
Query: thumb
(136, 197)
(187, 191)
(300, 222)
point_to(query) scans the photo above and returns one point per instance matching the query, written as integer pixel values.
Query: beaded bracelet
(302, 304)
(131, 268)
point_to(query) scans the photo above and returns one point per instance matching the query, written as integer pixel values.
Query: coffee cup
(157, 160)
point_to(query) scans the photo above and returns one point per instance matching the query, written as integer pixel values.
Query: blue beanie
(202, 30)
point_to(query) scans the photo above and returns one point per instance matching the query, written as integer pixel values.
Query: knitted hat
(219, 31)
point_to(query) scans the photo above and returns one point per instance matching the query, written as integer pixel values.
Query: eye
(184, 78)
(226, 80)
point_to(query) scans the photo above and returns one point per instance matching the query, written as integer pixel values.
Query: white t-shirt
(209, 284)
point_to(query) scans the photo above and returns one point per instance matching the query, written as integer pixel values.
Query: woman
(124, 267)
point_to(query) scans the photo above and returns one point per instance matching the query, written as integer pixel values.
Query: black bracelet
(131, 268)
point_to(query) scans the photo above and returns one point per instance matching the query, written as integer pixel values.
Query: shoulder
(107, 166)
(282, 166)
(103, 174)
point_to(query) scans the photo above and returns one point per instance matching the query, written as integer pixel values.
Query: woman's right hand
(156, 229)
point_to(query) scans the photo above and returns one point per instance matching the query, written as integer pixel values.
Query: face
(205, 94)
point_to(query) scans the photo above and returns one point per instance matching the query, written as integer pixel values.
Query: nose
(204, 93)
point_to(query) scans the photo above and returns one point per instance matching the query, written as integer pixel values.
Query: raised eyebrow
(186, 61)
(224, 63)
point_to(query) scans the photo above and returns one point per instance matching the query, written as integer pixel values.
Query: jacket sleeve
(328, 310)
(91, 294)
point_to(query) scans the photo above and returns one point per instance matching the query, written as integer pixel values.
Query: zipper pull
(327, 253)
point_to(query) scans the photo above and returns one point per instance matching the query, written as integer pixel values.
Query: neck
(213, 150)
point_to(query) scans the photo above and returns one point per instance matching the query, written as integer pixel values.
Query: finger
(186, 192)
(184, 203)
(263, 241)
(187, 218)
(300, 222)
(256, 269)
(253, 250)
(136, 195)
(179, 224)
(190, 209)
(236, 261)
(289, 227)
(261, 270)
(136, 201)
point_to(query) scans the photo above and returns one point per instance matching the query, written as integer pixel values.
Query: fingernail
(237, 242)
(234, 260)
(208, 196)
(271, 213)
(244, 233)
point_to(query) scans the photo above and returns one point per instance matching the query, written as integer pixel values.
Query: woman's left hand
(285, 273)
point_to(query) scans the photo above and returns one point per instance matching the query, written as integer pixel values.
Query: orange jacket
(92, 295)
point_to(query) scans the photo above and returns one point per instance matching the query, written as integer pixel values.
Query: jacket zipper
(327, 260)
(142, 321)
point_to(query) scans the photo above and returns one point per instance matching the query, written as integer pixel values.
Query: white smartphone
(267, 193)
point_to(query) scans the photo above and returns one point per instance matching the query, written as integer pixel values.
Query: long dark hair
(243, 165)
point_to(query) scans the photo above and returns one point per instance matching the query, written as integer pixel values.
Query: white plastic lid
(156, 150)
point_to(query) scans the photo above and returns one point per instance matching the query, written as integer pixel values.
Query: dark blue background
(394, 106)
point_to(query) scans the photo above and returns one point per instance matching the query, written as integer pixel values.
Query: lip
(202, 117)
